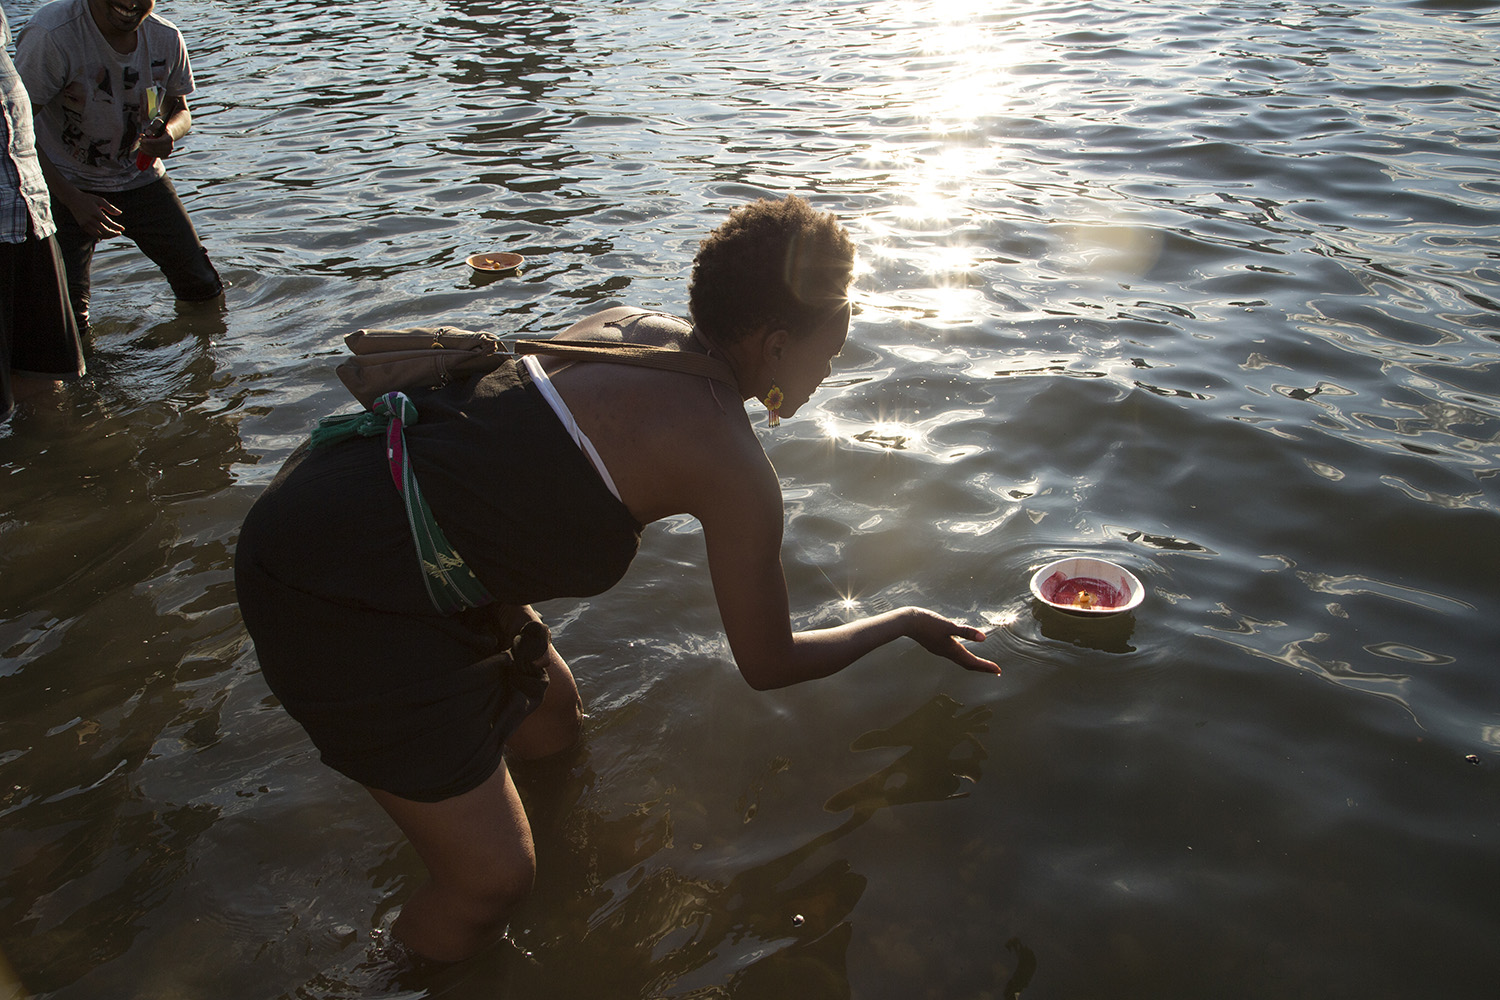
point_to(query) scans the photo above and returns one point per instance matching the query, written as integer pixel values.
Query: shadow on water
(1105, 633)
(116, 626)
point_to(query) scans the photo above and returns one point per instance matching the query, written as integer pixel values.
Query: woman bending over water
(420, 705)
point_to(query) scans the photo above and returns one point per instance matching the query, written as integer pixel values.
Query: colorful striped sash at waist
(451, 584)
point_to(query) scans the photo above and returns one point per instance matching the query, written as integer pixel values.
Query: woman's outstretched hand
(937, 634)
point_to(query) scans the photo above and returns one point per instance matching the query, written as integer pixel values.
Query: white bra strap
(549, 393)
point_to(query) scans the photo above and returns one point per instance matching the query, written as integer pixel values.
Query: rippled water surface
(1210, 290)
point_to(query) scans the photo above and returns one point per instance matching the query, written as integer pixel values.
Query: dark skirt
(38, 336)
(393, 694)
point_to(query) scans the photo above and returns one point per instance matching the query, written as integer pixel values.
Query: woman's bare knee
(486, 896)
(451, 923)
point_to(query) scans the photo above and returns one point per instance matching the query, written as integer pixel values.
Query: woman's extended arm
(743, 533)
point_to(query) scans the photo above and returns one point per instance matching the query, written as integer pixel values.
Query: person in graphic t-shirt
(109, 82)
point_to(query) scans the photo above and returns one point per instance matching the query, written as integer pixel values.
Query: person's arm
(742, 526)
(178, 121)
(95, 215)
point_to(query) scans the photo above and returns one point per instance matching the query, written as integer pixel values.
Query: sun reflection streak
(961, 88)
(972, 40)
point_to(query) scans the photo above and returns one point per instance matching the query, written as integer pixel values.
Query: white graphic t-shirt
(91, 101)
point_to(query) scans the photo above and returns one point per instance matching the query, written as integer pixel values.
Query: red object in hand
(154, 128)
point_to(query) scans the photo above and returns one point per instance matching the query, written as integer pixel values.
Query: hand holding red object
(154, 129)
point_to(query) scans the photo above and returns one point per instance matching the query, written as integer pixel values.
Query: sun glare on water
(970, 46)
(957, 83)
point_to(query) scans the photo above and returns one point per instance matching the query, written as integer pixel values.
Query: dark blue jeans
(153, 217)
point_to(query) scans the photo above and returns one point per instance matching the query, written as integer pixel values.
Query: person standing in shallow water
(110, 81)
(38, 339)
(541, 476)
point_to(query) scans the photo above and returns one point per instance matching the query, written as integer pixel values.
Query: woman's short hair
(771, 265)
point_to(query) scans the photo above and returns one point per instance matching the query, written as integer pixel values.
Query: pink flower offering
(1087, 586)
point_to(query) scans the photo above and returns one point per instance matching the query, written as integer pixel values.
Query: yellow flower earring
(773, 401)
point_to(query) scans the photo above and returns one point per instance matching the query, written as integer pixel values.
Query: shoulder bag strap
(686, 362)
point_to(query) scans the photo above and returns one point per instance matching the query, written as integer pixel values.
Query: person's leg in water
(480, 865)
(477, 846)
(153, 216)
(77, 249)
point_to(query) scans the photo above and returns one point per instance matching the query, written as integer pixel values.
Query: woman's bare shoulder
(635, 326)
(679, 450)
(721, 454)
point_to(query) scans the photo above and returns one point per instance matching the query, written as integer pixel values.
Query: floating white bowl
(1083, 586)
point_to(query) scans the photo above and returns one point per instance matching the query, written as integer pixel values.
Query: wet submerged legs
(480, 864)
(477, 846)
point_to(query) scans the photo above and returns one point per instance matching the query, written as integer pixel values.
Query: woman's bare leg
(477, 846)
(480, 863)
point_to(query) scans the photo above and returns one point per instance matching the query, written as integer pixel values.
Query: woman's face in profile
(809, 360)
